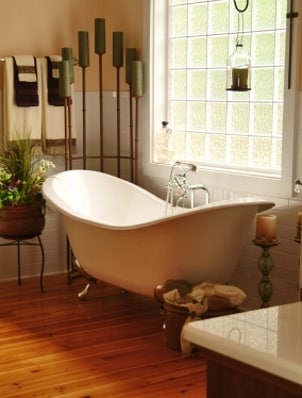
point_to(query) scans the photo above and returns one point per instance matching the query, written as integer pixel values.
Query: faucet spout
(196, 187)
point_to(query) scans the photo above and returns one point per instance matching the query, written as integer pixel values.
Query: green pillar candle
(137, 79)
(64, 79)
(67, 56)
(99, 39)
(83, 49)
(117, 49)
(130, 56)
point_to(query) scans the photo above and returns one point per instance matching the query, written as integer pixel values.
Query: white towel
(53, 131)
(20, 122)
(26, 68)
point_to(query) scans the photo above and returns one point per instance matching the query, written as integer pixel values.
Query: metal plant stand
(26, 241)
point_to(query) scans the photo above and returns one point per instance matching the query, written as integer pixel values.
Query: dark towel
(26, 93)
(53, 93)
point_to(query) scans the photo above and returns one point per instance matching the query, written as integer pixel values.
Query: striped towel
(25, 80)
(53, 121)
(53, 92)
(20, 121)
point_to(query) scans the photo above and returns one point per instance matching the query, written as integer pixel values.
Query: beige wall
(43, 27)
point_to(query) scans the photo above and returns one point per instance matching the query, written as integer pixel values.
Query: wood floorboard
(111, 345)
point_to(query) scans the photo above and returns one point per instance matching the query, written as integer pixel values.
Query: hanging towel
(24, 121)
(53, 119)
(53, 92)
(25, 80)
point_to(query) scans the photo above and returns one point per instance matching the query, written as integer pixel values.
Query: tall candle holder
(297, 239)
(137, 93)
(84, 63)
(65, 92)
(130, 56)
(101, 112)
(100, 49)
(265, 265)
(118, 63)
(67, 105)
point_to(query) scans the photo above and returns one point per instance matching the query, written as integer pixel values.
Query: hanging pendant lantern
(239, 70)
(239, 63)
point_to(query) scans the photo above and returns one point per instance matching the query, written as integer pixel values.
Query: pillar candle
(137, 79)
(266, 227)
(130, 56)
(240, 78)
(117, 49)
(99, 39)
(64, 79)
(67, 56)
(83, 49)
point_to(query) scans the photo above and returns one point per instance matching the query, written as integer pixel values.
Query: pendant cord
(243, 9)
(239, 40)
(240, 19)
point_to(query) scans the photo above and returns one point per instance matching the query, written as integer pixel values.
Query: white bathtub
(119, 232)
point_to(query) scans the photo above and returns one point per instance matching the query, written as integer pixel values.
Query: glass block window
(213, 126)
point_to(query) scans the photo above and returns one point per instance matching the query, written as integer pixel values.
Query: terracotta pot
(22, 222)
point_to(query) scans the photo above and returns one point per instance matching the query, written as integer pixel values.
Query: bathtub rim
(62, 206)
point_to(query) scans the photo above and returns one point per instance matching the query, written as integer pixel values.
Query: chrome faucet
(298, 187)
(178, 187)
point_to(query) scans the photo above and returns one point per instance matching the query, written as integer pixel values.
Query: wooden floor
(111, 345)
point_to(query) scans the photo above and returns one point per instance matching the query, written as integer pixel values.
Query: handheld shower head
(193, 167)
(185, 166)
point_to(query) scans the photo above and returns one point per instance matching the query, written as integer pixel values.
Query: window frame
(156, 109)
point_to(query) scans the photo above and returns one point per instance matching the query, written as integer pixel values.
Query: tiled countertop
(269, 339)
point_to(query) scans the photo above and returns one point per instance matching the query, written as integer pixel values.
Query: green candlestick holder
(265, 265)
(297, 239)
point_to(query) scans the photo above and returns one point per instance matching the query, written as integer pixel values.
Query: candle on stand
(299, 222)
(266, 227)
(117, 49)
(137, 79)
(130, 56)
(100, 38)
(83, 49)
(64, 79)
(67, 56)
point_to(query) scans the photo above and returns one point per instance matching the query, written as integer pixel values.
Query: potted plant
(22, 207)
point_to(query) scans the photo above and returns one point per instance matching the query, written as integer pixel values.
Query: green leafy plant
(21, 173)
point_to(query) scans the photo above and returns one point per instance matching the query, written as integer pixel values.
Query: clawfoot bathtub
(119, 232)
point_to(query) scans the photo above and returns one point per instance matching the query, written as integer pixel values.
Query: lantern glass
(239, 70)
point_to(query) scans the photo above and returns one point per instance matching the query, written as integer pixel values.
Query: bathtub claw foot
(82, 295)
